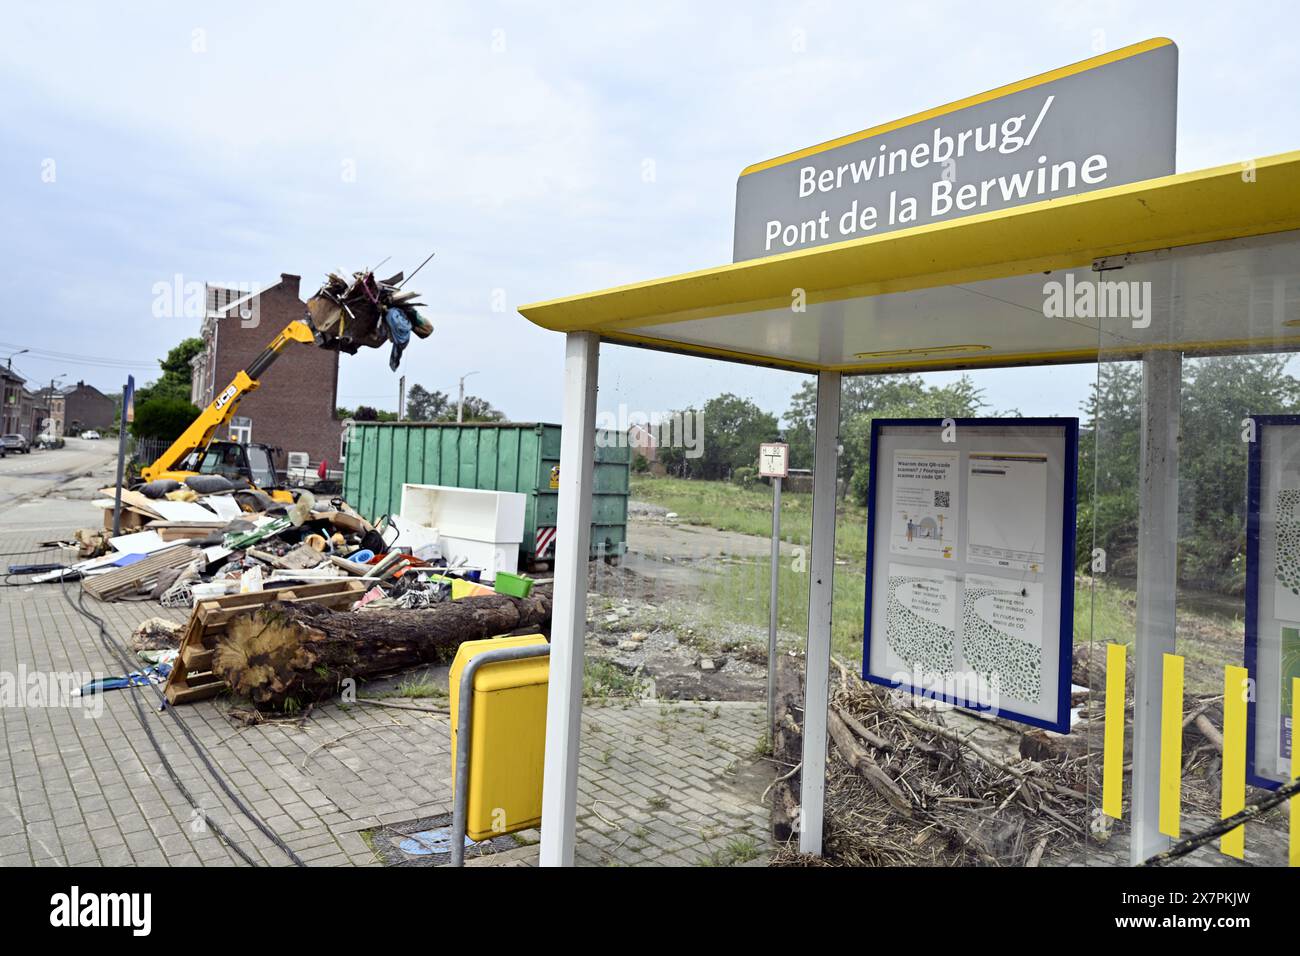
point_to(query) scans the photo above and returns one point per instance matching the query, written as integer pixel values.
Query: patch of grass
(416, 686)
(1107, 613)
(658, 802)
(728, 507)
(738, 850)
(603, 679)
(741, 596)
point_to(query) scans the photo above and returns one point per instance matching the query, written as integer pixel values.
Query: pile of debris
(365, 312)
(287, 599)
(914, 786)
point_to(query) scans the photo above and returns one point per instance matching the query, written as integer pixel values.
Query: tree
(177, 374)
(732, 428)
(858, 394)
(475, 410)
(423, 405)
(163, 418)
(1109, 445)
(905, 397)
(1217, 396)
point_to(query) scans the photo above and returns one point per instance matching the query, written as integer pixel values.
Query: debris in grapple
(365, 312)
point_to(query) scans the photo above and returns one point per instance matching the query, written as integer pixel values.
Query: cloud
(539, 150)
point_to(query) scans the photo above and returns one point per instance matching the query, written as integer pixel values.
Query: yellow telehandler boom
(196, 439)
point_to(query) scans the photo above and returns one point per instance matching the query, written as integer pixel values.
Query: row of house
(293, 410)
(73, 409)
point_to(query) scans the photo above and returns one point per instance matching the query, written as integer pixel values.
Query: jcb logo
(225, 396)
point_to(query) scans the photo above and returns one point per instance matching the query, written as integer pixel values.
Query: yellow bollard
(1112, 762)
(1294, 802)
(1233, 843)
(1171, 746)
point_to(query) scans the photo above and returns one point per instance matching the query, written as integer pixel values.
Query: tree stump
(281, 653)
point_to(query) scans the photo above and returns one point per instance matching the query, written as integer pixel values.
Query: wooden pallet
(191, 678)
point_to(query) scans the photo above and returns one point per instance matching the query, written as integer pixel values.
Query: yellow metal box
(508, 737)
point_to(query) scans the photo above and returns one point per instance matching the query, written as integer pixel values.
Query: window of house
(241, 429)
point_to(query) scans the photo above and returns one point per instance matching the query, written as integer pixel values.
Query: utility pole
(401, 398)
(460, 402)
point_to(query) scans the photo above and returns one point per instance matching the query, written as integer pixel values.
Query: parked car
(93, 435)
(16, 443)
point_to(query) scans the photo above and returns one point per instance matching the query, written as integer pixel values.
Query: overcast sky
(232, 142)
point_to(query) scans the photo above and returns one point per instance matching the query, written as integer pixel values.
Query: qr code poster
(970, 563)
(925, 503)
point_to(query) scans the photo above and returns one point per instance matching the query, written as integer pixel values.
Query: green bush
(744, 476)
(163, 418)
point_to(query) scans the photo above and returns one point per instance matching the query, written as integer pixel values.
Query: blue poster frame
(1070, 431)
(1254, 483)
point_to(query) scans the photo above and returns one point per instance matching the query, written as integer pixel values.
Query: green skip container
(380, 457)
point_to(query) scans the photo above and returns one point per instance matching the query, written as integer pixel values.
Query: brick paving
(661, 784)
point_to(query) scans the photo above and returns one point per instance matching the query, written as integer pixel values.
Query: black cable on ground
(118, 652)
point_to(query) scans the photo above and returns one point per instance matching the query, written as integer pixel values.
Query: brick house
(85, 407)
(11, 401)
(35, 409)
(293, 408)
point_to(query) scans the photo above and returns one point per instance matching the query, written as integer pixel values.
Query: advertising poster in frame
(970, 563)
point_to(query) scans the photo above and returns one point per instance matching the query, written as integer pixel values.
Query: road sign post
(773, 462)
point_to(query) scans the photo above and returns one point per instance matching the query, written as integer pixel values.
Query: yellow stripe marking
(1171, 746)
(1112, 766)
(1233, 843)
(1295, 770)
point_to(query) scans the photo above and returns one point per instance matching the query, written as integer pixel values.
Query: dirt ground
(651, 630)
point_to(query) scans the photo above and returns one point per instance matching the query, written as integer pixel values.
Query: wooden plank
(135, 576)
(197, 659)
(189, 695)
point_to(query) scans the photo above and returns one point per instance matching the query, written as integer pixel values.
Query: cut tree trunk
(302, 652)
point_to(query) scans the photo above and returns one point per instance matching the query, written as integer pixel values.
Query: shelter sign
(1103, 122)
(970, 563)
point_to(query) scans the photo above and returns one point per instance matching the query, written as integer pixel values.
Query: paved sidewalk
(662, 784)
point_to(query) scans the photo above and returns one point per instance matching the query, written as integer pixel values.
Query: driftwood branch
(1252, 812)
(861, 761)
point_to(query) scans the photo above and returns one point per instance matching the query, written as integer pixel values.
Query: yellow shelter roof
(1223, 272)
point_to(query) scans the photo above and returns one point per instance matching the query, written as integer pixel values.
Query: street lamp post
(460, 402)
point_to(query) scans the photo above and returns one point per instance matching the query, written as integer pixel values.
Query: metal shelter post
(569, 610)
(821, 595)
(1157, 586)
(773, 609)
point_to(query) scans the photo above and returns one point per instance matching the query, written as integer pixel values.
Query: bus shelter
(1218, 253)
